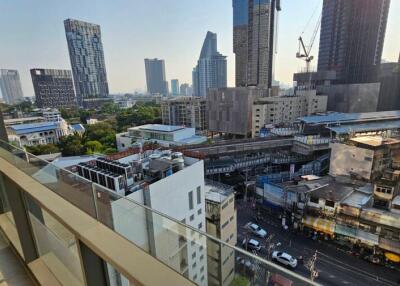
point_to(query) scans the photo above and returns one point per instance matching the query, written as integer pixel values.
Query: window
(225, 224)
(224, 205)
(199, 212)
(195, 276)
(190, 200)
(198, 195)
(194, 266)
(200, 225)
(193, 255)
(202, 278)
(192, 243)
(329, 203)
(314, 200)
(231, 219)
(202, 269)
(191, 217)
(201, 257)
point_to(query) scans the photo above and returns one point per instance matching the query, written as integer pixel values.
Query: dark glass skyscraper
(352, 36)
(87, 62)
(210, 71)
(240, 30)
(155, 76)
(53, 88)
(254, 41)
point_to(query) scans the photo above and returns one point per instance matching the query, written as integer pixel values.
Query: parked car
(252, 244)
(257, 230)
(284, 258)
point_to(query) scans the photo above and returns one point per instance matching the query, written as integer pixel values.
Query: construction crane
(304, 51)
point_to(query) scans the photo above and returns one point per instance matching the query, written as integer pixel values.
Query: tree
(42, 149)
(110, 108)
(71, 145)
(93, 146)
(240, 281)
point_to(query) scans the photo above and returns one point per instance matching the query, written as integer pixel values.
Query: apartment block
(285, 109)
(53, 88)
(221, 223)
(86, 54)
(185, 111)
(230, 109)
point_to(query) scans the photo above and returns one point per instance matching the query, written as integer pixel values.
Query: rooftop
(374, 141)
(159, 127)
(217, 192)
(365, 127)
(350, 117)
(33, 127)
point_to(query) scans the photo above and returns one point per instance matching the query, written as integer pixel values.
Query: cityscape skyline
(124, 51)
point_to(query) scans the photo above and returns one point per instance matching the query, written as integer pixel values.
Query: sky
(32, 36)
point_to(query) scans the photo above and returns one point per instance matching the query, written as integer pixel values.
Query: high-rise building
(352, 36)
(155, 76)
(210, 71)
(175, 87)
(87, 62)
(189, 111)
(53, 88)
(185, 89)
(262, 25)
(240, 30)
(10, 86)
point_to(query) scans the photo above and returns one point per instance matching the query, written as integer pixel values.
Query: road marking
(345, 282)
(331, 276)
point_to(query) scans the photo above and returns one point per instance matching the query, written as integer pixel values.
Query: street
(334, 266)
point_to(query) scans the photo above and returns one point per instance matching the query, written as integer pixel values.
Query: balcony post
(22, 222)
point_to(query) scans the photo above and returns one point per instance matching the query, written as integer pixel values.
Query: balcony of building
(65, 230)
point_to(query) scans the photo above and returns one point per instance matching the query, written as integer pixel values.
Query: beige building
(366, 157)
(187, 111)
(220, 223)
(286, 109)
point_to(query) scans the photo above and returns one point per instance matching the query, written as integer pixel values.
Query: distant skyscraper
(87, 62)
(254, 41)
(240, 31)
(155, 76)
(10, 86)
(175, 87)
(262, 25)
(352, 36)
(185, 89)
(210, 71)
(53, 88)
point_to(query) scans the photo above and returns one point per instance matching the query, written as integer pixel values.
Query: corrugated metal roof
(365, 127)
(33, 127)
(349, 117)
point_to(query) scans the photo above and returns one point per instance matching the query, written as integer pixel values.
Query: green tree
(71, 145)
(110, 108)
(93, 146)
(42, 149)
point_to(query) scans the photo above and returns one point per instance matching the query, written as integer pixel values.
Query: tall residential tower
(87, 62)
(352, 36)
(210, 71)
(10, 86)
(155, 76)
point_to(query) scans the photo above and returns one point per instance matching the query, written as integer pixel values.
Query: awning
(390, 245)
(320, 224)
(392, 257)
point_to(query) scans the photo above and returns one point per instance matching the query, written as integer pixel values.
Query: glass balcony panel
(73, 188)
(56, 246)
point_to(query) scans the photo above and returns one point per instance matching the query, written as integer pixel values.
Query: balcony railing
(155, 233)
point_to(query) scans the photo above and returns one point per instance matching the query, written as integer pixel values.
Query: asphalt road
(335, 267)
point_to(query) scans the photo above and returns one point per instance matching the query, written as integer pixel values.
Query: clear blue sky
(32, 35)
